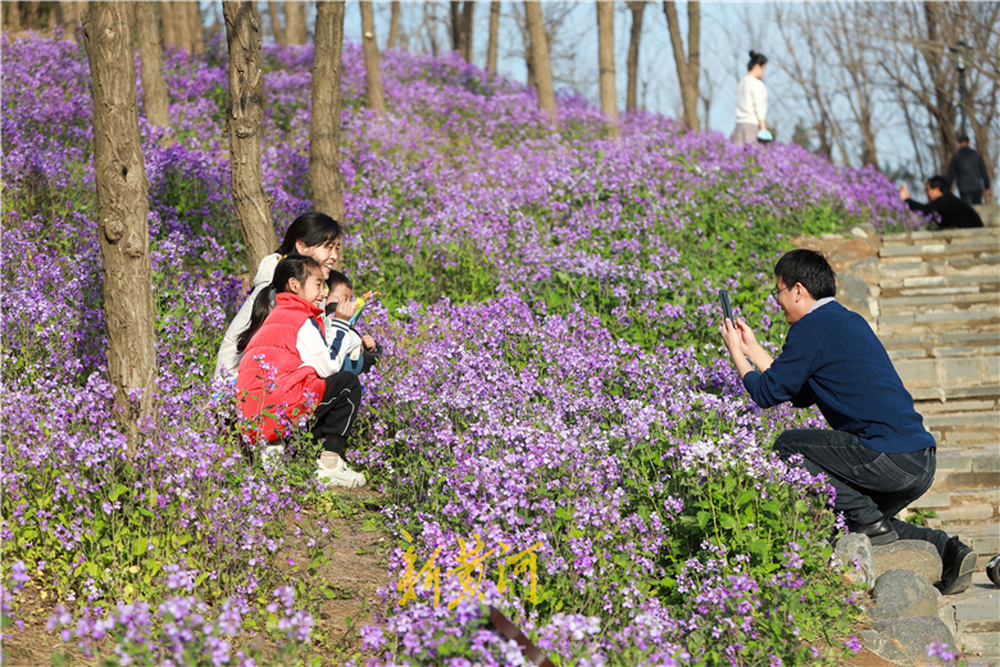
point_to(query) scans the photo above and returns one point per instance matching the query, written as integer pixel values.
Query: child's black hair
(293, 266)
(337, 278)
(313, 229)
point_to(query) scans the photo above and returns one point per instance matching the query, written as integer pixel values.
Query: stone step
(925, 236)
(950, 344)
(985, 281)
(891, 305)
(984, 536)
(981, 370)
(936, 249)
(982, 267)
(965, 505)
(968, 459)
(945, 395)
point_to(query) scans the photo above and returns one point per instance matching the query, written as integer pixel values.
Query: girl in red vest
(288, 374)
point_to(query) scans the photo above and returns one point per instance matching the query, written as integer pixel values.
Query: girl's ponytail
(293, 266)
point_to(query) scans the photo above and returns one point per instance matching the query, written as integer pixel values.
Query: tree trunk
(376, 100)
(182, 26)
(637, 9)
(688, 69)
(279, 32)
(492, 48)
(327, 103)
(245, 124)
(154, 87)
(32, 18)
(67, 10)
(455, 24)
(540, 65)
(12, 16)
(393, 26)
(196, 29)
(169, 23)
(123, 206)
(606, 62)
(465, 48)
(295, 21)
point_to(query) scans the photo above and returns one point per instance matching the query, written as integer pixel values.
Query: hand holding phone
(727, 309)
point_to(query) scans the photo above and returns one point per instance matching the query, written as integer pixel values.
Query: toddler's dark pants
(337, 411)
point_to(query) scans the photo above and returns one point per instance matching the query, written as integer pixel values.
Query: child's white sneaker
(334, 471)
(271, 456)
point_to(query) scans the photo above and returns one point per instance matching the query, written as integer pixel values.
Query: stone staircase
(939, 319)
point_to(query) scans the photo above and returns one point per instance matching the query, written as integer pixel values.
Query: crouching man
(878, 457)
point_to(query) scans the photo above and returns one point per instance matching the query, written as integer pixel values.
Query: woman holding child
(289, 359)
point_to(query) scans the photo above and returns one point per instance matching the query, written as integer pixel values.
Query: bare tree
(32, 17)
(393, 25)
(491, 49)
(540, 65)
(606, 62)
(276, 28)
(196, 27)
(169, 23)
(461, 28)
(245, 125)
(295, 21)
(637, 9)
(182, 25)
(688, 69)
(12, 15)
(327, 103)
(154, 87)
(373, 75)
(67, 10)
(123, 206)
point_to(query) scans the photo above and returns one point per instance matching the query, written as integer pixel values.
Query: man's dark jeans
(870, 485)
(972, 197)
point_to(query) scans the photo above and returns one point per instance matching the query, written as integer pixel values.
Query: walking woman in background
(751, 102)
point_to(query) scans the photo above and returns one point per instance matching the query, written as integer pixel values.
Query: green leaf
(564, 513)
(727, 521)
(703, 519)
(746, 497)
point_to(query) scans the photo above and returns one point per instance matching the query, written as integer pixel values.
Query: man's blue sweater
(832, 359)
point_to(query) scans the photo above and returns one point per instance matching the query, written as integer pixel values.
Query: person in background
(751, 102)
(954, 212)
(968, 171)
(878, 455)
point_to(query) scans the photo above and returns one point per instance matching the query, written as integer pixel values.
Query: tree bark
(123, 206)
(295, 21)
(327, 104)
(606, 62)
(688, 69)
(540, 65)
(393, 25)
(373, 75)
(276, 28)
(493, 47)
(465, 48)
(12, 15)
(182, 26)
(196, 29)
(169, 23)
(32, 18)
(637, 9)
(154, 87)
(245, 124)
(67, 10)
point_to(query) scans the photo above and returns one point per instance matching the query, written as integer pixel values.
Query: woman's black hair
(293, 266)
(756, 59)
(313, 229)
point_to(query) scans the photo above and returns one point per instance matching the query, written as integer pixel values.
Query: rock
(916, 555)
(854, 552)
(863, 231)
(883, 648)
(914, 635)
(866, 269)
(903, 594)
(854, 293)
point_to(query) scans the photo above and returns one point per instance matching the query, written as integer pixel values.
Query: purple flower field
(554, 428)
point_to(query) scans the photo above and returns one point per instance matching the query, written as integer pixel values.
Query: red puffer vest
(272, 379)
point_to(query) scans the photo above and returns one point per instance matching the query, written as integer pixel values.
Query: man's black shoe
(959, 563)
(880, 532)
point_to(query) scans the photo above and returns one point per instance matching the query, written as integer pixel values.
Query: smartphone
(727, 309)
